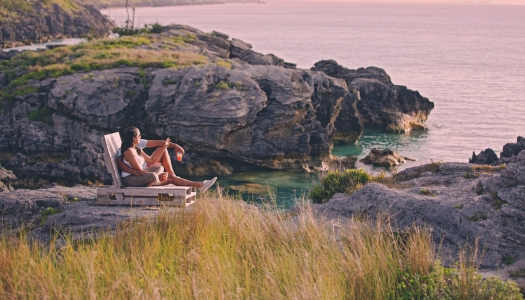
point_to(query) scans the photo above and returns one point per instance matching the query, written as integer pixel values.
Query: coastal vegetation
(142, 51)
(225, 249)
(347, 181)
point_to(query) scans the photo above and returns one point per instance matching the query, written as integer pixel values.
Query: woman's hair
(127, 141)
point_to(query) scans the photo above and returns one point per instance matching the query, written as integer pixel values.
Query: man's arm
(160, 143)
(125, 168)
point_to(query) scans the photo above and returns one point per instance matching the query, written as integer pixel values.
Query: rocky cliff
(230, 107)
(37, 23)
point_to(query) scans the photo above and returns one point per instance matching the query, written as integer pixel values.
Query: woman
(139, 175)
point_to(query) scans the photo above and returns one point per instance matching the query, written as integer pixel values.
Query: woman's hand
(166, 143)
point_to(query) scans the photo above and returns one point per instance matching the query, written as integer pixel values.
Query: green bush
(454, 283)
(223, 85)
(43, 115)
(347, 181)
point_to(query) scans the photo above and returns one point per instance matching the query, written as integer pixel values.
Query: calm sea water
(467, 59)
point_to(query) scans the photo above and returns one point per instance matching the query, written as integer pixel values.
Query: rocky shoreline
(271, 114)
(42, 24)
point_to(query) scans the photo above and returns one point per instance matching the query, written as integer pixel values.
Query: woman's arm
(157, 154)
(130, 157)
(160, 143)
(125, 168)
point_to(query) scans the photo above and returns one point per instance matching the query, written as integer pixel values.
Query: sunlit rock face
(380, 102)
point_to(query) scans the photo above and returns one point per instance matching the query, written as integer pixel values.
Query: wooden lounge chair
(117, 194)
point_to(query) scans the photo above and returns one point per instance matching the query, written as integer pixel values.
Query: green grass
(86, 57)
(48, 211)
(224, 85)
(427, 192)
(223, 250)
(224, 64)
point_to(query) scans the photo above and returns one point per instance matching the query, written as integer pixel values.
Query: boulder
(238, 47)
(6, 178)
(383, 158)
(381, 103)
(256, 58)
(513, 149)
(485, 157)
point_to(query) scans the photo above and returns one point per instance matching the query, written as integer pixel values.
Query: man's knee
(156, 169)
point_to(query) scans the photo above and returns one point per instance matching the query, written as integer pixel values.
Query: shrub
(347, 181)
(223, 63)
(42, 114)
(223, 85)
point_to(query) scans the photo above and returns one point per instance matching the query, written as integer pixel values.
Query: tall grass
(221, 249)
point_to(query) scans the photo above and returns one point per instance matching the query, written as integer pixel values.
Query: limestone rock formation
(384, 158)
(42, 24)
(381, 103)
(228, 114)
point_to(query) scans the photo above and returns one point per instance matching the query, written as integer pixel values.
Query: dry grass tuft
(224, 249)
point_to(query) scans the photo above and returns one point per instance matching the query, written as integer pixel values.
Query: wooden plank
(152, 191)
(111, 143)
(139, 201)
(104, 198)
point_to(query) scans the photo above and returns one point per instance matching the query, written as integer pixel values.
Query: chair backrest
(111, 144)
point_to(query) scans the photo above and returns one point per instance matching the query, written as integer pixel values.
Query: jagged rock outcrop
(228, 114)
(42, 24)
(508, 155)
(511, 150)
(381, 103)
(384, 158)
(485, 157)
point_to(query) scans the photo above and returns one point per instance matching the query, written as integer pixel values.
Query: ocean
(466, 58)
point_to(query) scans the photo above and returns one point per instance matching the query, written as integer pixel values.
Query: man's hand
(138, 173)
(178, 149)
